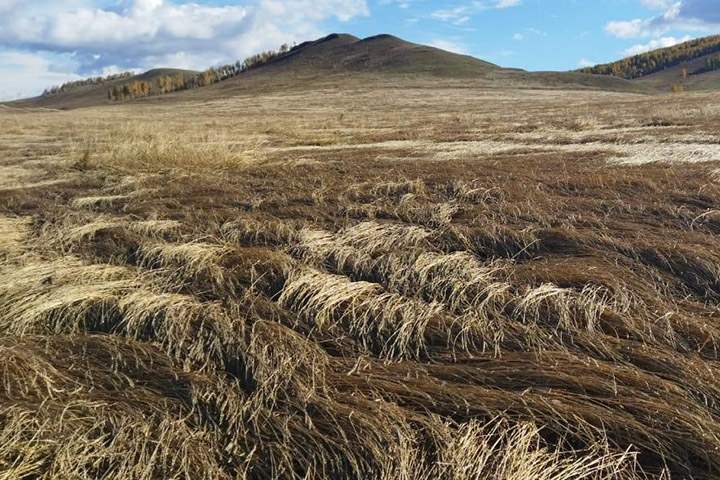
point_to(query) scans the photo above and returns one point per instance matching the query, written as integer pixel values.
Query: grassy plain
(392, 280)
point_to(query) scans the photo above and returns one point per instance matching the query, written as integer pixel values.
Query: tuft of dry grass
(13, 236)
(385, 323)
(133, 149)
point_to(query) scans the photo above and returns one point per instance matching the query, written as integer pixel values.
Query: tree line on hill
(711, 64)
(70, 86)
(180, 81)
(658, 60)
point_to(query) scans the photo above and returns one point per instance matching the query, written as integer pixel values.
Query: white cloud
(518, 36)
(507, 3)
(655, 44)
(469, 8)
(404, 4)
(584, 62)
(8, 5)
(657, 3)
(450, 46)
(151, 33)
(687, 15)
(623, 29)
(26, 73)
(450, 14)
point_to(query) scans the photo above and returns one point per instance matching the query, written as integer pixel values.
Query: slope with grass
(338, 58)
(94, 95)
(344, 59)
(696, 77)
(383, 53)
(684, 64)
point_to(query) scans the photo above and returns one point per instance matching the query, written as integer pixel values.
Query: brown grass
(362, 284)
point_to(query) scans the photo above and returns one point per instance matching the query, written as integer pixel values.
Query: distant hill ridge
(74, 85)
(381, 53)
(658, 60)
(336, 60)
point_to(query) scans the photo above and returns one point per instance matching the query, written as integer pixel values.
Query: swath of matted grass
(421, 294)
(99, 407)
(384, 323)
(192, 449)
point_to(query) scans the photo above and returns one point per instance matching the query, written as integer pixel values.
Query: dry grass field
(423, 280)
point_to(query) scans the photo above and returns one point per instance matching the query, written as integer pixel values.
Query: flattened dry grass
(385, 323)
(265, 289)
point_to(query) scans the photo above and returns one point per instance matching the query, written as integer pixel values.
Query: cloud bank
(461, 13)
(655, 44)
(48, 40)
(686, 15)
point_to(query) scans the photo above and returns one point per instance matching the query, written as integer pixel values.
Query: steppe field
(396, 281)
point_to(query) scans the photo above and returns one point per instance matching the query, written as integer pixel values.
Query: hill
(384, 53)
(343, 55)
(693, 64)
(338, 59)
(692, 75)
(97, 93)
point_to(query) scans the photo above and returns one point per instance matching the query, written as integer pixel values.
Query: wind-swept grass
(263, 288)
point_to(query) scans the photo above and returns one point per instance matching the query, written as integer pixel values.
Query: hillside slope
(93, 95)
(696, 76)
(683, 64)
(341, 59)
(384, 53)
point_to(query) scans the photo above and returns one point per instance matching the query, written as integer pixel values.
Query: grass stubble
(525, 294)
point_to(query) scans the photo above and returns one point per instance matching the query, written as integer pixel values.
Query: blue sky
(534, 35)
(47, 42)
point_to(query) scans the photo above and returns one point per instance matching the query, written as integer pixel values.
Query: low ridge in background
(694, 65)
(96, 93)
(336, 57)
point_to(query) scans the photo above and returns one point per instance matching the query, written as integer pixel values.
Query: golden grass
(385, 323)
(322, 285)
(138, 148)
(13, 235)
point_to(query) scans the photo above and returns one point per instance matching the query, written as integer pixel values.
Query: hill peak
(339, 36)
(332, 39)
(340, 52)
(383, 37)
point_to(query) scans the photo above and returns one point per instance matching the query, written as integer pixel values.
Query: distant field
(424, 280)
